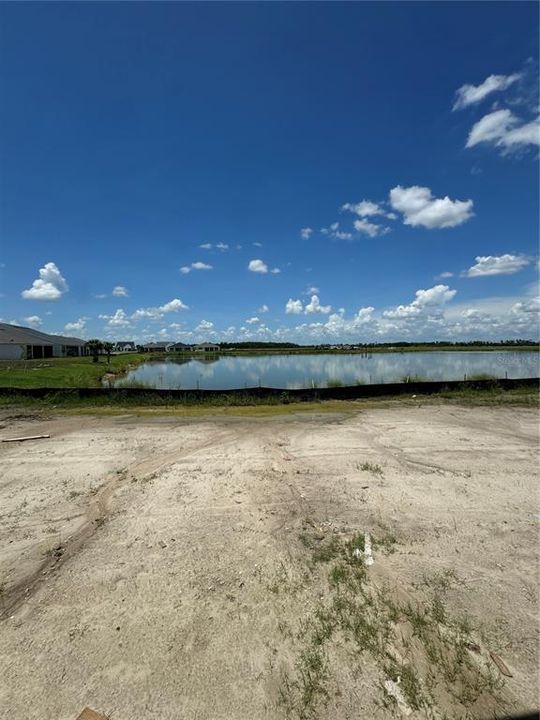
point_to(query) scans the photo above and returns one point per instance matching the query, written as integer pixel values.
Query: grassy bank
(68, 372)
(246, 404)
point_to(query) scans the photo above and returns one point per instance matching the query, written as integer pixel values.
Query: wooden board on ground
(88, 714)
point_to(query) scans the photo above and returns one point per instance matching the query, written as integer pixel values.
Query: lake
(321, 370)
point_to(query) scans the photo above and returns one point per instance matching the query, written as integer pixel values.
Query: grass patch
(371, 468)
(416, 643)
(69, 372)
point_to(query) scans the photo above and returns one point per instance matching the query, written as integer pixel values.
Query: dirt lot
(220, 568)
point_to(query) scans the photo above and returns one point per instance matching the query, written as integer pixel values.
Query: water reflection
(297, 371)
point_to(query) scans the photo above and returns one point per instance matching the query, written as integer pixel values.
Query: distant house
(180, 347)
(124, 346)
(163, 346)
(206, 347)
(23, 343)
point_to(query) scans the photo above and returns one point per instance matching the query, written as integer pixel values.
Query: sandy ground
(159, 568)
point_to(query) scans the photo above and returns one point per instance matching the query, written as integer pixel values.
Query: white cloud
(368, 228)
(275, 271)
(365, 208)
(420, 208)
(497, 265)
(49, 286)
(120, 291)
(185, 269)
(445, 275)
(252, 321)
(334, 232)
(429, 299)
(257, 244)
(119, 319)
(505, 130)
(100, 296)
(258, 266)
(492, 127)
(294, 307)
(156, 313)
(33, 321)
(263, 309)
(306, 233)
(470, 94)
(78, 326)
(204, 326)
(314, 306)
(311, 290)
(219, 246)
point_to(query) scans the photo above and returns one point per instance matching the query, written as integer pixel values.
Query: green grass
(65, 372)
(334, 383)
(413, 640)
(371, 468)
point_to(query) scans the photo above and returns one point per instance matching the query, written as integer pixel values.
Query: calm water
(297, 371)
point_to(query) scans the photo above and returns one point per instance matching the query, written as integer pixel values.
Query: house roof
(158, 344)
(19, 335)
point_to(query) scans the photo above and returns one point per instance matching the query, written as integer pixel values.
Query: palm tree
(94, 346)
(108, 347)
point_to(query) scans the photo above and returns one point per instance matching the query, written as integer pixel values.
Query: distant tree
(94, 346)
(108, 347)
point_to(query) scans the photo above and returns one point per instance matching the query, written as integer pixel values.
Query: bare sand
(161, 567)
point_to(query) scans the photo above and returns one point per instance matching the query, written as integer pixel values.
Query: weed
(334, 383)
(372, 468)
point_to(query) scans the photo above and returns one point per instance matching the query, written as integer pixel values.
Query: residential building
(206, 347)
(23, 343)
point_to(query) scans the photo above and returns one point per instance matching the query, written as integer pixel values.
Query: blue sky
(177, 170)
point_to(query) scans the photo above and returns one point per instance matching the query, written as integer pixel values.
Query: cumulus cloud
(263, 309)
(471, 94)
(420, 208)
(252, 320)
(206, 246)
(119, 319)
(204, 326)
(314, 306)
(49, 286)
(120, 291)
(368, 228)
(306, 233)
(504, 130)
(365, 208)
(431, 298)
(497, 265)
(77, 326)
(155, 313)
(294, 307)
(445, 275)
(259, 266)
(33, 321)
